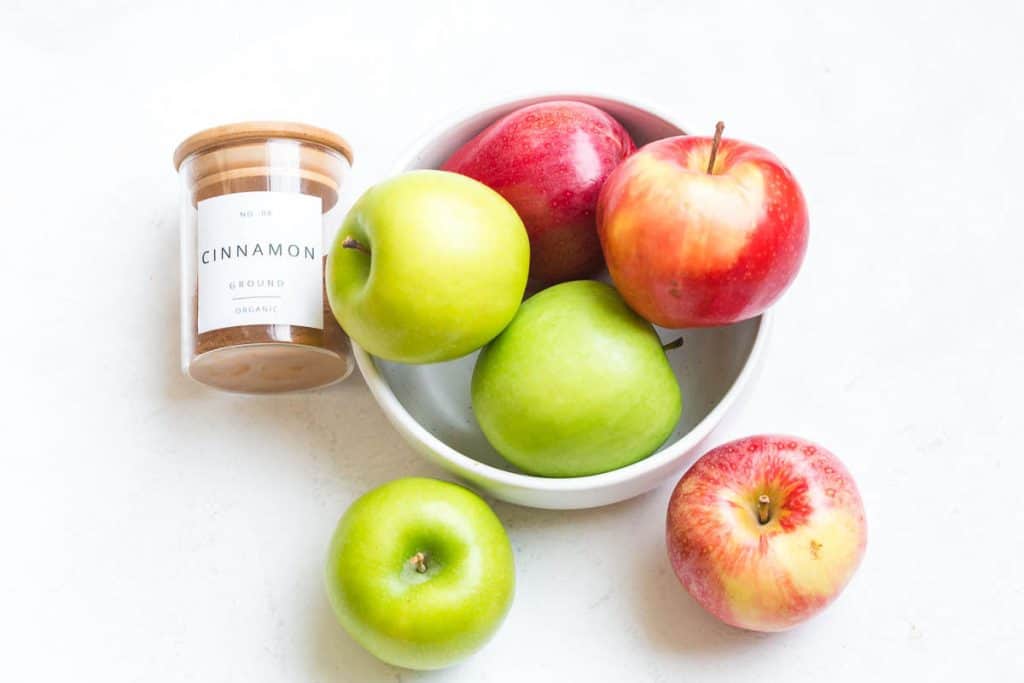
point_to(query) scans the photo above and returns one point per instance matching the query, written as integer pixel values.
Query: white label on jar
(260, 260)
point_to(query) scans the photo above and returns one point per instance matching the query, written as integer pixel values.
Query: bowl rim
(466, 113)
(393, 408)
(664, 457)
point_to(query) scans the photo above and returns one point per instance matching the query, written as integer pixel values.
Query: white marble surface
(156, 531)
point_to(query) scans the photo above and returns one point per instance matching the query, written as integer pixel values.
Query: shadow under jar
(259, 206)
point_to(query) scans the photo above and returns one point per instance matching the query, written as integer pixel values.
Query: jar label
(260, 260)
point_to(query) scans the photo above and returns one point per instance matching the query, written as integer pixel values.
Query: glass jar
(259, 207)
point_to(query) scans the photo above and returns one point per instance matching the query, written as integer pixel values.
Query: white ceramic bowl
(430, 404)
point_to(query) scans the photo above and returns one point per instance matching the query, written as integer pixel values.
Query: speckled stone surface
(156, 531)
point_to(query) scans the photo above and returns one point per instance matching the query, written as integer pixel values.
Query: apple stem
(719, 127)
(763, 514)
(352, 243)
(419, 562)
(675, 344)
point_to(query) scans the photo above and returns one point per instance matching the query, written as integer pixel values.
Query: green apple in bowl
(428, 266)
(420, 572)
(577, 384)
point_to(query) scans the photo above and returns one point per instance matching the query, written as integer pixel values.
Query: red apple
(549, 161)
(764, 532)
(693, 247)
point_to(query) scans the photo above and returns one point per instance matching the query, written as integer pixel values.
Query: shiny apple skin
(766, 577)
(691, 249)
(549, 160)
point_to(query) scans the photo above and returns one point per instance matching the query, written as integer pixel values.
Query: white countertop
(156, 531)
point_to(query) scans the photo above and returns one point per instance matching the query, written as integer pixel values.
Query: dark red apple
(695, 238)
(549, 160)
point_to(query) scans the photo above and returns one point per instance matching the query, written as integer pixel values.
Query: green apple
(420, 573)
(577, 384)
(428, 266)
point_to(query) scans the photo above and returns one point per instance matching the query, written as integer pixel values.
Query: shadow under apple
(335, 656)
(672, 620)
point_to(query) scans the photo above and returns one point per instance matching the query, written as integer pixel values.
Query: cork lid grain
(257, 130)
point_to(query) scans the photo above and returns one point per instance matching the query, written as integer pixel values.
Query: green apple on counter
(428, 266)
(420, 572)
(577, 384)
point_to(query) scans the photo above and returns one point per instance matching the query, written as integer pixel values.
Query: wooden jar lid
(255, 130)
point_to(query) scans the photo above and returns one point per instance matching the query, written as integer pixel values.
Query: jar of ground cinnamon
(259, 204)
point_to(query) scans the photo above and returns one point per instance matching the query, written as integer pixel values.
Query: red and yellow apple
(549, 160)
(695, 237)
(765, 531)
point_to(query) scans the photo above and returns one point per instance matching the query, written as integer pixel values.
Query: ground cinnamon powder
(256, 158)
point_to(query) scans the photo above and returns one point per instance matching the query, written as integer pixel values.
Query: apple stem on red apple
(419, 562)
(719, 127)
(675, 344)
(763, 513)
(352, 243)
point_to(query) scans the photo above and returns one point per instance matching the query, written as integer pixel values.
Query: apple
(577, 384)
(427, 266)
(765, 531)
(549, 160)
(699, 232)
(420, 573)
